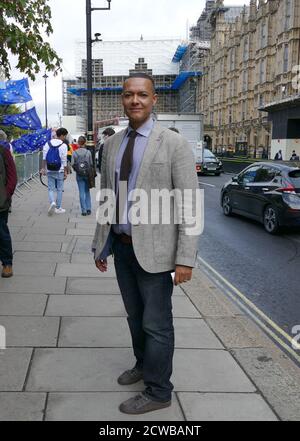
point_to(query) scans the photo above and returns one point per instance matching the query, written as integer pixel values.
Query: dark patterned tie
(126, 166)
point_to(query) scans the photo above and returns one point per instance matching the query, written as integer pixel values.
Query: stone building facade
(252, 63)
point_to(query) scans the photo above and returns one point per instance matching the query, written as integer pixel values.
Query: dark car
(266, 192)
(210, 164)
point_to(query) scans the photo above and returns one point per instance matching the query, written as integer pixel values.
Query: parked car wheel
(271, 223)
(226, 205)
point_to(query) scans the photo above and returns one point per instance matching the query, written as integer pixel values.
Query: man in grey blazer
(146, 156)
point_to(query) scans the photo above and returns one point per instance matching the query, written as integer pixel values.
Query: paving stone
(238, 332)
(14, 364)
(45, 229)
(22, 304)
(276, 377)
(202, 370)
(31, 285)
(80, 370)
(27, 256)
(183, 307)
(76, 285)
(194, 333)
(35, 246)
(54, 238)
(84, 220)
(83, 258)
(92, 332)
(22, 406)
(86, 306)
(30, 331)
(28, 269)
(82, 270)
(102, 406)
(83, 245)
(81, 232)
(225, 407)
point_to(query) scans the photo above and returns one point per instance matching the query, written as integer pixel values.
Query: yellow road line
(257, 310)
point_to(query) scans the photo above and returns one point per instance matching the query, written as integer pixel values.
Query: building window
(262, 71)
(263, 35)
(246, 48)
(287, 15)
(245, 80)
(230, 115)
(232, 59)
(211, 118)
(286, 58)
(244, 110)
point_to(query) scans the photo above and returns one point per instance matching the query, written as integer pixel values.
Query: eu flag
(15, 92)
(32, 142)
(28, 120)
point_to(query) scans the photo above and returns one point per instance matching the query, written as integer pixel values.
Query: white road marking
(204, 183)
(255, 310)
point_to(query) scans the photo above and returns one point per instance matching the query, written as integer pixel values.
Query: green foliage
(11, 131)
(23, 27)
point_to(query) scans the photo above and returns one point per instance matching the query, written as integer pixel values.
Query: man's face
(138, 99)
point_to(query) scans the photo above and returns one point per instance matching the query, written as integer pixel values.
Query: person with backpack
(82, 163)
(55, 166)
(8, 182)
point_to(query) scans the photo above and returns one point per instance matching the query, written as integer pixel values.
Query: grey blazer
(168, 163)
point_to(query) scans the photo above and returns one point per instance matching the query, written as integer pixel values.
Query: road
(265, 268)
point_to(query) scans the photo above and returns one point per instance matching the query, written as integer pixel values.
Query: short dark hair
(141, 75)
(61, 132)
(109, 131)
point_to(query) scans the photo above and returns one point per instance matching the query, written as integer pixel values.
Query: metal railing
(28, 166)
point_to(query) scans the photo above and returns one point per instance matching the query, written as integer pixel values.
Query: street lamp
(89, 41)
(46, 112)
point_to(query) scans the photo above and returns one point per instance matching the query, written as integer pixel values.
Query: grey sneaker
(142, 404)
(130, 377)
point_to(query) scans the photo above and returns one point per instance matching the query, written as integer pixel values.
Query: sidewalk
(68, 339)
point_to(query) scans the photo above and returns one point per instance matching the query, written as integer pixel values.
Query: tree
(23, 27)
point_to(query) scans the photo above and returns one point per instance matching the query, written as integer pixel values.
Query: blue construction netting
(180, 51)
(178, 82)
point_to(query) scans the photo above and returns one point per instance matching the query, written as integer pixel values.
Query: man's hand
(101, 265)
(182, 274)
(43, 172)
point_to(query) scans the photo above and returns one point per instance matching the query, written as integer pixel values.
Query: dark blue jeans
(147, 299)
(6, 255)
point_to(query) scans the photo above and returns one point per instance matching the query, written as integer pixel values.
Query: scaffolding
(112, 62)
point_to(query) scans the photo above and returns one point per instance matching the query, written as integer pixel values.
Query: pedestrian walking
(82, 163)
(8, 182)
(278, 156)
(109, 131)
(69, 157)
(55, 167)
(147, 156)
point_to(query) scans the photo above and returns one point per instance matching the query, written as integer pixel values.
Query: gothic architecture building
(248, 91)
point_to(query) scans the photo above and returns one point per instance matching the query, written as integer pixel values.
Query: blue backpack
(53, 159)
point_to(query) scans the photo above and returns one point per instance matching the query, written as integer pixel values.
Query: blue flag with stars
(32, 142)
(15, 92)
(28, 120)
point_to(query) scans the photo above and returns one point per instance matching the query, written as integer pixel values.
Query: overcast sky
(127, 19)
